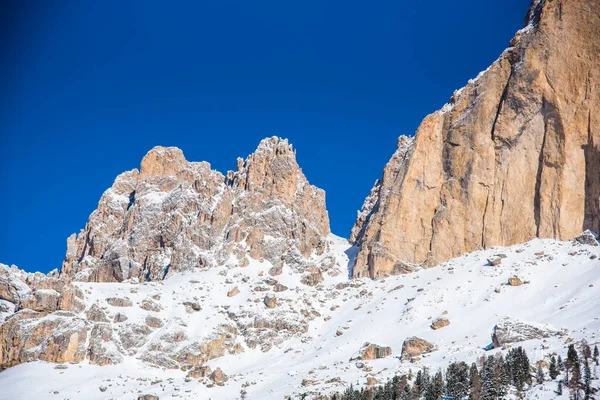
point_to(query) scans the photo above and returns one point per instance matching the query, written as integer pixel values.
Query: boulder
(371, 351)
(510, 330)
(439, 323)
(414, 347)
(119, 302)
(154, 322)
(495, 260)
(270, 301)
(587, 238)
(514, 281)
(200, 371)
(217, 376)
(233, 292)
(278, 287)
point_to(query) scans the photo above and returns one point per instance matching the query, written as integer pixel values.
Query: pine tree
(596, 355)
(572, 357)
(573, 365)
(586, 350)
(587, 380)
(475, 392)
(559, 363)
(540, 376)
(435, 388)
(489, 381)
(552, 369)
(519, 367)
(457, 380)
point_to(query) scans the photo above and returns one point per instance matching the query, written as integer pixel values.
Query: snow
(562, 293)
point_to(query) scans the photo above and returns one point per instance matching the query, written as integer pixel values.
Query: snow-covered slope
(313, 332)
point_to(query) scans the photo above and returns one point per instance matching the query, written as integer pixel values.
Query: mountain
(189, 283)
(514, 155)
(173, 215)
(276, 337)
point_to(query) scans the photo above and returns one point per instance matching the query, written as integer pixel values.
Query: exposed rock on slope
(512, 331)
(513, 156)
(174, 215)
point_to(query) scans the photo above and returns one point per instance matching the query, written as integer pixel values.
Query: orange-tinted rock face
(513, 156)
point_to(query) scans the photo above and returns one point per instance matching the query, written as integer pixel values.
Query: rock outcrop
(512, 331)
(174, 215)
(514, 155)
(439, 323)
(414, 347)
(371, 351)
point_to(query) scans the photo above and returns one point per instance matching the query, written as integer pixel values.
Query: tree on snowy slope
(587, 381)
(552, 369)
(457, 380)
(519, 367)
(476, 390)
(575, 368)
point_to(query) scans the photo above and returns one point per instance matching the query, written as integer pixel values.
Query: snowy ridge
(313, 331)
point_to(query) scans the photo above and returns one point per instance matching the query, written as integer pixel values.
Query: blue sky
(88, 87)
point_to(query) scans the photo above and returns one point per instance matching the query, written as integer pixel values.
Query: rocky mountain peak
(162, 162)
(176, 215)
(514, 155)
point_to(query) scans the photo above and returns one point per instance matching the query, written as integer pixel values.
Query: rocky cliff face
(513, 156)
(174, 215)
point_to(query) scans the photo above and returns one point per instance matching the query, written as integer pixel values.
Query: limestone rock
(270, 301)
(148, 397)
(514, 281)
(514, 155)
(587, 238)
(119, 302)
(200, 371)
(102, 348)
(119, 317)
(512, 331)
(495, 260)
(30, 336)
(174, 215)
(218, 376)
(314, 277)
(414, 347)
(371, 381)
(154, 322)
(371, 351)
(95, 314)
(278, 287)
(439, 323)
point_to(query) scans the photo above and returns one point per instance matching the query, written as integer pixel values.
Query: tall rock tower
(514, 155)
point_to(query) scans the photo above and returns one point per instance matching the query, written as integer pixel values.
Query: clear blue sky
(88, 87)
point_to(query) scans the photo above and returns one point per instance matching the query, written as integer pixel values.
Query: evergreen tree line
(496, 376)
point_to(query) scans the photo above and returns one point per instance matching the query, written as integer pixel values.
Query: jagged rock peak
(162, 161)
(174, 215)
(514, 155)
